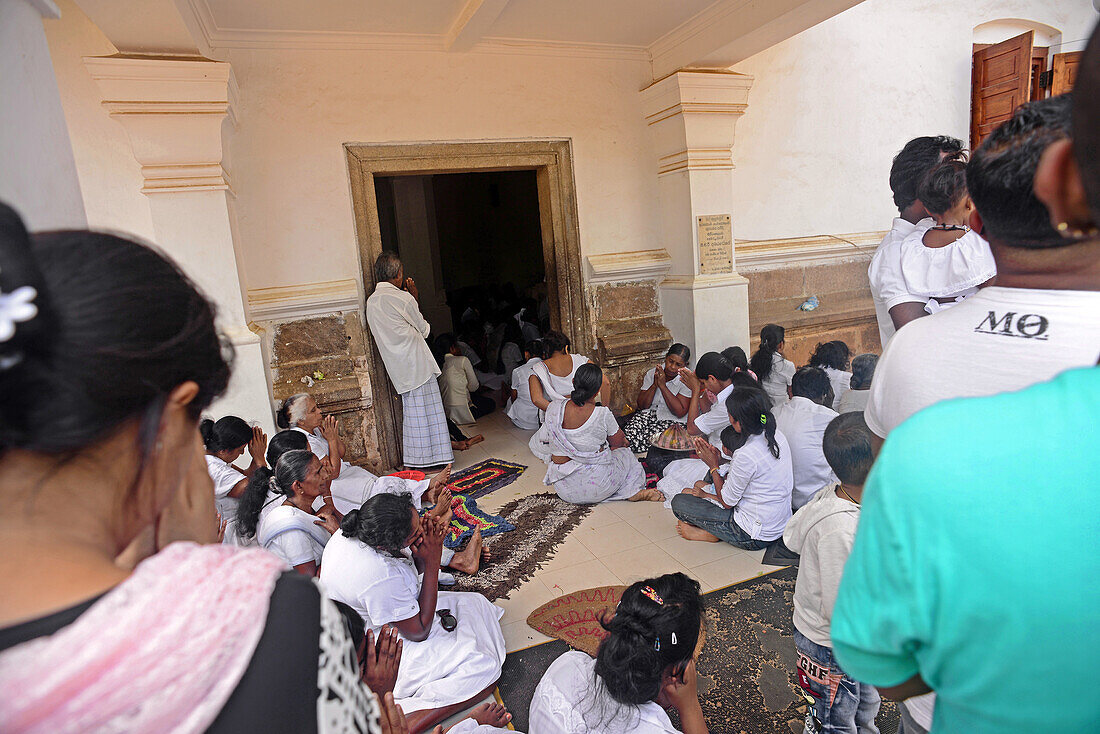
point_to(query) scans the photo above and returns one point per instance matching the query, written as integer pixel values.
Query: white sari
(356, 485)
(589, 476)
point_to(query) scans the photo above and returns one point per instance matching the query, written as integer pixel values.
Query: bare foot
(436, 483)
(491, 714)
(460, 445)
(486, 554)
(648, 495)
(688, 531)
(469, 559)
(442, 507)
(474, 440)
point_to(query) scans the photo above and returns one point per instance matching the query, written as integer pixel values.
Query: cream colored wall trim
(626, 266)
(285, 303)
(702, 282)
(763, 254)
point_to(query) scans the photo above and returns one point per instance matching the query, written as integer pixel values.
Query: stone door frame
(552, 161)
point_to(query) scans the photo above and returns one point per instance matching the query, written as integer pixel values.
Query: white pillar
(37, 170)
(691, 117)
(173, 111)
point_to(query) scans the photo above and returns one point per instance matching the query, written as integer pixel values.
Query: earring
(1077, 232)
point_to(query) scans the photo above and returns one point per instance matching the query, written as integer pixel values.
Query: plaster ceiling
(616, 22)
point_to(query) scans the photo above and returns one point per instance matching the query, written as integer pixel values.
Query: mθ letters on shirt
(1024, 326)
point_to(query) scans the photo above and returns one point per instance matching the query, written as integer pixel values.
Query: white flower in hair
(15, 308)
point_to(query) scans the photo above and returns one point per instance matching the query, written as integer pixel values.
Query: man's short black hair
(918, 157)
(1001, 174)
(810, 382)
(1086, 121)
(713, 364)
(847, 447)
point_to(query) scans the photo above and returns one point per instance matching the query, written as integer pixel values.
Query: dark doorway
(472, 241)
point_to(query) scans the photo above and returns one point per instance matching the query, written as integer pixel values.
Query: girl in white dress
(351, 485)
(645, 665)
(947, 262)
(863, 370)
(277, 509)
(773, 371)
(589, 460)
(225, 441)
(834, 357)
(453, 646)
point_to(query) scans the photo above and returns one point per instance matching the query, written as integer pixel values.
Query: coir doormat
(484, 477)
(575, 617)
(542, 521)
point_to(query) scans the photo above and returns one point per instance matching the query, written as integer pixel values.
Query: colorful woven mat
(485, 477)
(468, 517)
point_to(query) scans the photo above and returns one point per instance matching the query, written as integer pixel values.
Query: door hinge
(1046, 79)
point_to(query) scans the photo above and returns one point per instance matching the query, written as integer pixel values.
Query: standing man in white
(400, 330)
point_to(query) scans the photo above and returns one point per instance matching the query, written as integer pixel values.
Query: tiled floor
(618, 543)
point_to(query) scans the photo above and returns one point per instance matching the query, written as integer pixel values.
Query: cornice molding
(764, 254)
(291, 302)
(627, 266)
(702, 282)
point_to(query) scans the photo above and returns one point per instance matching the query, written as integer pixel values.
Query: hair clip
(657, 644)
(649, 592)
(673, 638)
(763, 419)
(16, 307)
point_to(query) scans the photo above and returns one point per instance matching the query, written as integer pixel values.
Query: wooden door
(1065, 72)
(1001, 83)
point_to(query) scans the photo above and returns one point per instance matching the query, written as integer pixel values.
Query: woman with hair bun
(589, 460)
(107, 360)
(645, 665)
(225, 441)
(452, 644)
(277, 510)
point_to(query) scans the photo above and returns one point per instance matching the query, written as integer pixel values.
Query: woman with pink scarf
(108, 355)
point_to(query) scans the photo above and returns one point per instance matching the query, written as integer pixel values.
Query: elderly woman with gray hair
(855, 399)
(351, 485)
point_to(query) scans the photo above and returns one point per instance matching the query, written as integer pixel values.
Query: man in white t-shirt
(1037, 321)
(894, 306)
(803, 421)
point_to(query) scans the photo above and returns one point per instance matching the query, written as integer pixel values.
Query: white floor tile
(641, 563)
(519, 635)
(524, 600)
(587, 575)
(738, 567)
(693, 553)
(611, 538)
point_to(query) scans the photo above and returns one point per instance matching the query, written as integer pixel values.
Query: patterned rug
(484, 477)
(747, 679)
(575, 618)
(468, 517)
(542, 521)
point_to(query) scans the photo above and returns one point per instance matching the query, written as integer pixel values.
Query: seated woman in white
(662, 400)
(589, 459)
(277, 509)
(552, 379)
(645, 665)
(770, 366)
(520, 409)
(834, 357)
(225, 441)
(458, 383)
(947, 262)
(351, 485)
(855, 400)
(453, 645)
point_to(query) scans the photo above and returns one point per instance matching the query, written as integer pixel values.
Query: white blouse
(559, 385)
(676, 387)
(294, 546)
(779, 379)
(591, 435)
(949, 271)
(225, 476)
(566, 701)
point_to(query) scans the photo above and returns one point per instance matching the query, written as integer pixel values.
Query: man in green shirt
(976, 566)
